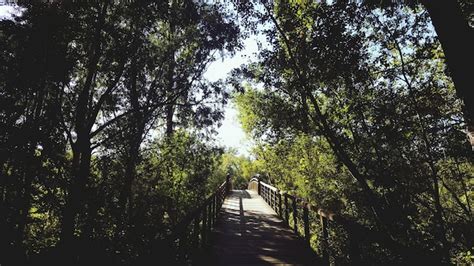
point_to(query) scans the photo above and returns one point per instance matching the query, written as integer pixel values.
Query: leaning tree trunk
(170, 90)
(456, 38)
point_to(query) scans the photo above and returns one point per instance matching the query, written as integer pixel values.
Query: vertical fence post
(227, 183)
(279, 205)
(295, 216)
(204, 226)
(287, 211)
(181, 252)
(306, 223)
(272, 200)
(219, 202)
(354, 251)
(324, 240)
(275, 199)
(214, 199)
(184, 244)
(268, 195)
(258, 186)
(209, 217)
(214, 204)
(196, 232)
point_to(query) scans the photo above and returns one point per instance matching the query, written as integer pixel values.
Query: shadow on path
(249, 232)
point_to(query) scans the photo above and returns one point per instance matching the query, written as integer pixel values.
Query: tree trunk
(456, 38)
(74, 203)
(169, 120)
(170, 108)
(82, 147)
(137, 128)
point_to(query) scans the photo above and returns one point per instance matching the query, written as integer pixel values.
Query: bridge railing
(192, 234)
(313, 224)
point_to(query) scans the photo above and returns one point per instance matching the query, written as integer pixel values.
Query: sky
(5, 10)
(230, 134)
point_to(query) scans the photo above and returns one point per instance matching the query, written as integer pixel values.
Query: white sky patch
(231, 134)
(8, 11)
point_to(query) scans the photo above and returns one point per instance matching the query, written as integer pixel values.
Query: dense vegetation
(356, 114)
(107, 123)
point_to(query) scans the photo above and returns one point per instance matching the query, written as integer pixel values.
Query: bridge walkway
(249, 232)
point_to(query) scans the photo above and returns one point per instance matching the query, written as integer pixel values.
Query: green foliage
(305, 166)
(240, 168)
(106, 124)
(357, 114)
(464, 258)
(178, 170)
(86, 92)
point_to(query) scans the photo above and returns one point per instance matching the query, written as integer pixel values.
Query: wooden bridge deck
(249, 232)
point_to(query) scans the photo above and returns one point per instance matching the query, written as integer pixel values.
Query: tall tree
(451, 20)
(353, 78)
(34, 62)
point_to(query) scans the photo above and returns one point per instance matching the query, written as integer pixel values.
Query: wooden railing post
(324, 240)
(354, 251)
(265, 189)
(275, 203)
(259, 187)
(196, 232)
(204, 226)
(295, 216)
(269, 196)
(272, 200)
(181, 248)
(214, 200)
(273, 196)
(195, 229)
(209, 217)
(306, 223)
(213, 213)
(279, 204)
(227, 184)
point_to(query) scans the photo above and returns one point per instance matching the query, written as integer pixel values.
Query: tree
(455, 36)
(88, 86)
(32, 145)
(348, 76)
(451, 22)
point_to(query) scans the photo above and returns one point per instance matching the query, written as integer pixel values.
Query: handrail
(192, 232)
(269, 186)
(279, 201)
